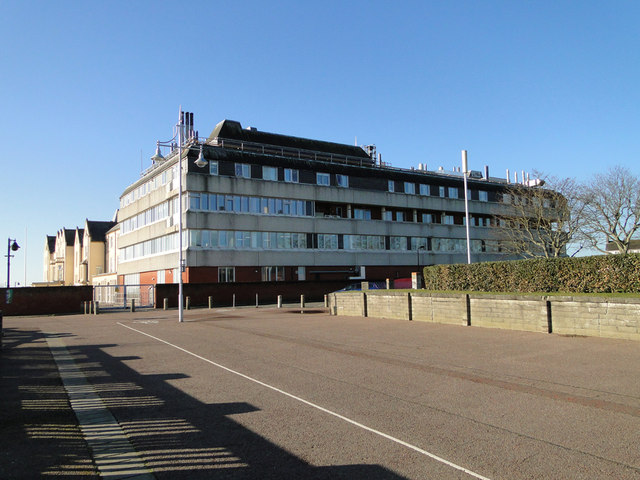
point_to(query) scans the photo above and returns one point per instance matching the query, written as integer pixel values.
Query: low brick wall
(45, 300)
(585, 316)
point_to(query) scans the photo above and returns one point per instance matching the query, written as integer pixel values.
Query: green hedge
(598, 274)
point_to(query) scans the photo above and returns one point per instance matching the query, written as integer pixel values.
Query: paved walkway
(266, 393)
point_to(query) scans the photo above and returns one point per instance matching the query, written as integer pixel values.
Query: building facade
(270, 207)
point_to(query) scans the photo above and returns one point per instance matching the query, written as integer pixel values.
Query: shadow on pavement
(176, 435)
(39, 434)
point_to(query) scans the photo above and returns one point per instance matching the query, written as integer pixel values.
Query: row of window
(154, 183)
(248, 240)
(149, 216)
(245, 204)
(304, 208)
(243, 170)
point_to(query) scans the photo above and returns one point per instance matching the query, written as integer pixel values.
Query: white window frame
(342, 180)
(410, 188)
(243, 170)
(270, 173)
(291, 175)
(323, 179)
(226, 274)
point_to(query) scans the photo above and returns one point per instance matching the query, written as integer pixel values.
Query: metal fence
(120, 296)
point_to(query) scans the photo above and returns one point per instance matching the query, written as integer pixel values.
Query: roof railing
(297, 153)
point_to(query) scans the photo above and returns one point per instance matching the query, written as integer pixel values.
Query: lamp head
(15, 246)
(158, 156)
(200, 161)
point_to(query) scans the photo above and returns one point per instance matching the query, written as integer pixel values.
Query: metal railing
(120, 296)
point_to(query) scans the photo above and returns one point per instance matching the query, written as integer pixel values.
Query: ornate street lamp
(179, 135)
(11, 247)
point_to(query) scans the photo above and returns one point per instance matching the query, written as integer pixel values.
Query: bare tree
(612, 209)
(542, 222)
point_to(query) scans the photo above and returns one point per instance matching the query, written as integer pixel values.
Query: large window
(342, 180)
(226, 274)
(453, 192)
(409, 187)
(291, 175)
(391, 185)
(322, 179)
(213, 167)
(483, 196)
(272, 274)
(424, 189)
(270, 173)
(243, 170)
(362, 214)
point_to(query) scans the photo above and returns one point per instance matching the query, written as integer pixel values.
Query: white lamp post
(465, 172)
(200, 162)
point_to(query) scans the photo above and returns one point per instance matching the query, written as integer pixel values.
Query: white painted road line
(318, 407)
(112, 452)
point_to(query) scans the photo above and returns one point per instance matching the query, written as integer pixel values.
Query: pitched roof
(233, 130)
(51, 243)
(98, 229)
(69, 236)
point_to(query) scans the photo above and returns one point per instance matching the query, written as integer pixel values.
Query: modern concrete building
(270, 207)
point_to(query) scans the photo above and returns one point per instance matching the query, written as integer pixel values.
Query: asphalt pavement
(275, 393)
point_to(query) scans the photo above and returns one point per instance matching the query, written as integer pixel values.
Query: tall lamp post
(421, 247)
(11, 247)
(465, 173)
(179, 135)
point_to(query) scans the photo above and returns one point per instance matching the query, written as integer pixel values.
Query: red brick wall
(45, 300)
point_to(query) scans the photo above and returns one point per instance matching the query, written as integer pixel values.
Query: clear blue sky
(87, 88)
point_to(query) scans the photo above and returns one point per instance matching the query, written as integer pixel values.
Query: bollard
(210, 303)
(96, 307)
(301, 303)
(256, 300)
(279, 301)
(165, 303)
(84, 307)
(133, 305)
(326, 301)
(188, 303)
(234, 300)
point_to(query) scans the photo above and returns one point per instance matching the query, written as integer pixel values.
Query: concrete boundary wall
(565, 315)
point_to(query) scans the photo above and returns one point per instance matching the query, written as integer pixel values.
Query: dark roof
(51, 243)
(98, 229)
(80, 235)
(233, 130)
(69, 236)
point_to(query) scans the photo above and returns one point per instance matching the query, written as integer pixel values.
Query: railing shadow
(176, 435)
